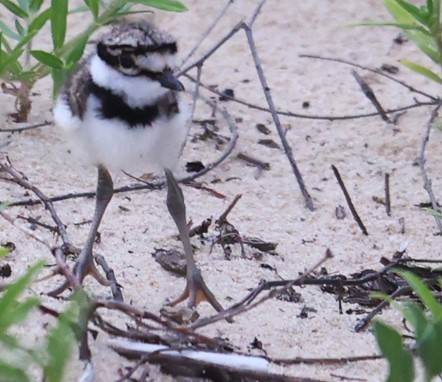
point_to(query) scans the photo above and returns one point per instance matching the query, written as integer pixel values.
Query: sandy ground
(271, 207)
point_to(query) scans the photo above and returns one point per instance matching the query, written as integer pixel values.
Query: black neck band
(114, 107)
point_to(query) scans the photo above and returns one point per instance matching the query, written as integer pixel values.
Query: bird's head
(141, 49)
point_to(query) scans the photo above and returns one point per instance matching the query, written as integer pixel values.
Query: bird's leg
(196, 289)
(85, 262)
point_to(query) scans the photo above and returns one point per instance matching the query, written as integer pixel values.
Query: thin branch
(222, 218)
(313, 117)
(228, 150)
(362, 324)
(288, 150)
(377, 71)
(196, 92)
(110, 275)
(326, 361)
(422, 160)
(387, 195)
(254, 161)
(217, 367)
(204, 57)
(349, 202)
(20, 129)
(246, 304)
(22, 181)
(63, 268)
(208, 31)
(256, 13)
(26, 231)
(369, 93)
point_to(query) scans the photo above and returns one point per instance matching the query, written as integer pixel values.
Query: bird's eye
(126, 60)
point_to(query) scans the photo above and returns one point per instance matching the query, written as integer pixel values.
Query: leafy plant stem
(436, 29)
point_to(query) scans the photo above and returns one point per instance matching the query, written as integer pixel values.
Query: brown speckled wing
(78, 89)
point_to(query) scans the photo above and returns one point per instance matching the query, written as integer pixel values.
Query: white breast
(116, 145)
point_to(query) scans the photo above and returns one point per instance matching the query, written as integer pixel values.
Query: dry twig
(21, 180)
(288, 150)
(369, 93)
(349, 202)
(422, 161)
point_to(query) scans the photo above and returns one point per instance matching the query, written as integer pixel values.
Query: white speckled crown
(140, 33)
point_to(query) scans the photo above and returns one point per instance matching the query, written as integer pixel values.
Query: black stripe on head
(143, 49)
(124, 60)
(108, 58)
(114, 107)
(170, 47)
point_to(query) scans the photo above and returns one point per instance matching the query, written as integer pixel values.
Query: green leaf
(427, 348)
(10, 341)
(59, 348)
(398, 12)
(127, 13)
(165, 5)
(404, 26)
(40, 20)
(423, 292)
(21, 31)
(58, 78)
(11, 373)
(61, 339)
(15, 9)
(11, 71)
(94, 6)
(8, 32)
(4, 252)
(430, 6)
(18, 313)
(399, 359)
(47, 59)
(117, 12)
(24, 4)
(6, 45)
(25, 40)
(25, 354)
(426, 44)
(424, 41)
(434, 16)
(74, 56)
(35, 5)
(9, 67)
(10, 60)
(14, 312)
(414, 314)
(421, 15)
(59, 13)
(422, 70)
(25, 76)
(15, 289)
(381, 296)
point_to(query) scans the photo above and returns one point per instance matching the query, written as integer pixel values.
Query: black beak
(169, 81)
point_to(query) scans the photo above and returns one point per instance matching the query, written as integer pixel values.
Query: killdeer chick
(122, 111)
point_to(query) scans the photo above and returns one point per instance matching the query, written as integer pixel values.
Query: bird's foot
(83, 267)
(196, 291)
